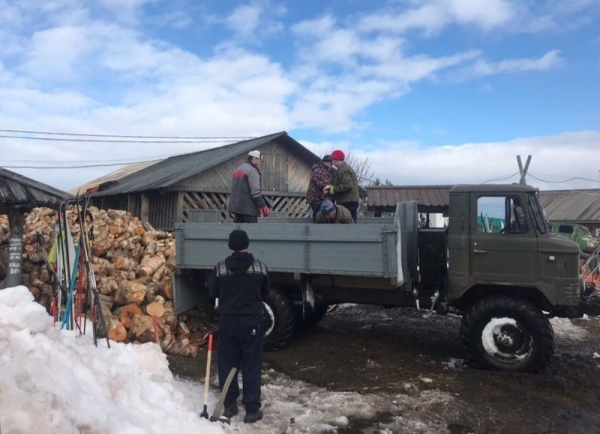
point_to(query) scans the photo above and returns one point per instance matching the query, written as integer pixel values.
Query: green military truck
(506, 280)
(575, 232)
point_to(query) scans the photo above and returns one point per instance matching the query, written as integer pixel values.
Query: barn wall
(282, 171)
(162, 210)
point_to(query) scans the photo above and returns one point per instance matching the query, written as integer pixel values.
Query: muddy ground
(405, 353)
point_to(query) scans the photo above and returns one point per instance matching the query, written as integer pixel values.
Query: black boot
(230, 411)
(253, 416)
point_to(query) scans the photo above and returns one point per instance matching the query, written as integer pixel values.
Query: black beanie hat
(238, 240)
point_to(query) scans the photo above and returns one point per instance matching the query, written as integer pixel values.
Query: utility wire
(563, 181)
(55, 139)
(48, 133)
(125, 160)
(79, 166)
(500, 179)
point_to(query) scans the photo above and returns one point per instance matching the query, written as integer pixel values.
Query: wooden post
(523, 172)
(179, 208)
(145, 211)
(16, 220)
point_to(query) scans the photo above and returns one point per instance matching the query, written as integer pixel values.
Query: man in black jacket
(241, 283)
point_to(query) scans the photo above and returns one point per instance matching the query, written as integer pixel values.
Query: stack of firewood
(133, 264)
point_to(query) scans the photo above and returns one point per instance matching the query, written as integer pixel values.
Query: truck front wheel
(507, 333)
(278, 320)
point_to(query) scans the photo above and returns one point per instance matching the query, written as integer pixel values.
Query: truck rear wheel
(278, 320)
(507, 333)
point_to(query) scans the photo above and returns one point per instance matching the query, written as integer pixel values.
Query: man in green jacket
(332, 213)
(345, 185)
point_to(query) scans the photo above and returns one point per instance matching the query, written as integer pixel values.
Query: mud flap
(188, 291)
(308, 296)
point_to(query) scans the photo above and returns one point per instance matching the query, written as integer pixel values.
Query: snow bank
(56, 382)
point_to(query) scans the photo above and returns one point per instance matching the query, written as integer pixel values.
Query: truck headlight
(592, 243)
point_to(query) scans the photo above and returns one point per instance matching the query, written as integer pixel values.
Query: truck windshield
(538, 215)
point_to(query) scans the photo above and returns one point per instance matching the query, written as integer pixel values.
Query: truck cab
(507, 274)
(498, 238)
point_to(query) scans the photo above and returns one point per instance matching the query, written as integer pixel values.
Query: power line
(48, 133)
(78, 167)
(574, 178)
(500, 179)
(54, 139)
(125, 160)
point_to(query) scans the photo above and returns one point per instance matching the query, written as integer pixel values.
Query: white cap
(254, 154)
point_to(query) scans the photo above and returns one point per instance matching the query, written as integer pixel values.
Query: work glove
(264, 211)
(328, 189)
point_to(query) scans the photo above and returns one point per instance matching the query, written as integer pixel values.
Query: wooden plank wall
(163, 210)
(280, 169)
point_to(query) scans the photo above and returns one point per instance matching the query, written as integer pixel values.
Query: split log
(117, 331)
(167, 289)
(155, 309)
(128, 313)
(125, 263)
(169, 316)
(130, 292)
(107, 285)
(180, 349)
(152, 292)
(44, 275)
(143, 329)
(150, 264)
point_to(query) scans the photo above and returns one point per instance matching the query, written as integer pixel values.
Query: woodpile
(133, 264)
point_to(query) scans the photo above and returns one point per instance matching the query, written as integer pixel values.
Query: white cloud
(128, 11)
(432, 16)
(78, 74)
(554, 158)
(254, 21)
(551, 59)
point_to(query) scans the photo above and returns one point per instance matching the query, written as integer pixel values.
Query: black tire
(278, 320)
(523, 342)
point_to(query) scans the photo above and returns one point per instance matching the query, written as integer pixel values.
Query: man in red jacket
(246, 202)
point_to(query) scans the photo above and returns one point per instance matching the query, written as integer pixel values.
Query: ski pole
(204, 413)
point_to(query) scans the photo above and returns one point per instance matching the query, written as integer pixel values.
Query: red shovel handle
(210, 342)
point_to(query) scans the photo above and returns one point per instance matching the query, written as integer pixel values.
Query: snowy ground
(57, 382)
(379, 381)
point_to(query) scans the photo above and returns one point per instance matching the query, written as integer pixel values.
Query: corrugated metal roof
(174, 169)
(19, 191)
(572, 205)
(429, 198)
(113, 176)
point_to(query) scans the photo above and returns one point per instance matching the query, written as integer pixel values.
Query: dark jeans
(316, 207)
(241, 345)
(352, 207)
(244, 218)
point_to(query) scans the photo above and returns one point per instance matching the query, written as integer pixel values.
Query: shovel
(204, 413)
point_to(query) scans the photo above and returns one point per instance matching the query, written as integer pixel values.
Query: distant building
(577, 206)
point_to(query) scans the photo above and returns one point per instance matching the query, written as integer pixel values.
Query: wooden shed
(19, 195)
(182, 188)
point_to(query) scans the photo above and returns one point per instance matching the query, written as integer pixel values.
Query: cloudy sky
(430, 91)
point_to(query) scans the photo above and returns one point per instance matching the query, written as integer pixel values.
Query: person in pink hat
(344, 189)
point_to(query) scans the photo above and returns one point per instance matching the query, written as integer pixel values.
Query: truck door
(503, 241)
